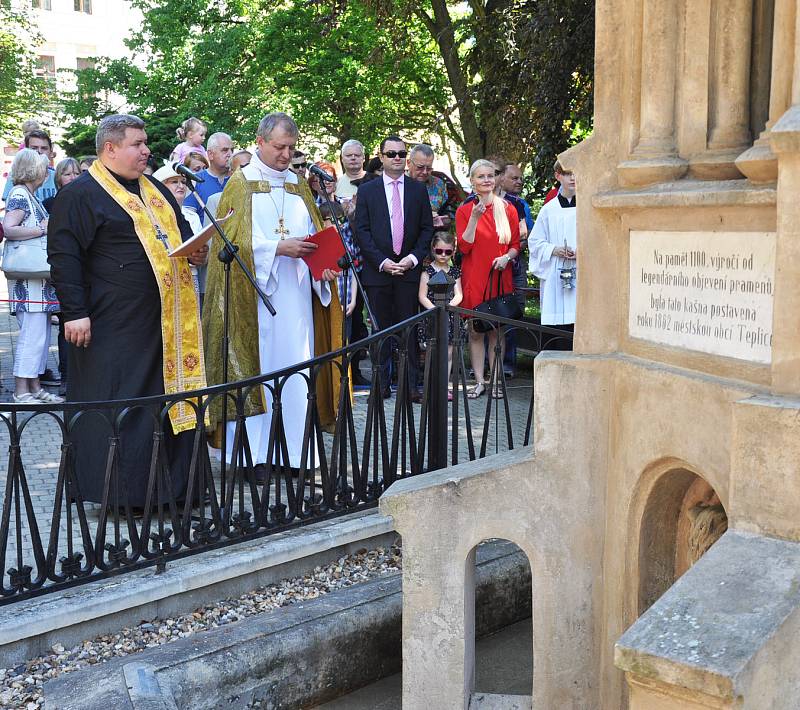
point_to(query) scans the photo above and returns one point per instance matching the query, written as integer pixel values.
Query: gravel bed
(21, 686)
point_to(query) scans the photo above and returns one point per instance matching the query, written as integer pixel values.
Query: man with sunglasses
(420, 168)
(300, 163)
(394, 228)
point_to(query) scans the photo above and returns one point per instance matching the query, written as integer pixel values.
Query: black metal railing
(51, 537)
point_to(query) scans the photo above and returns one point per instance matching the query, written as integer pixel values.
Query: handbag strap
(39, 204)
(489, 287)
(33, 203)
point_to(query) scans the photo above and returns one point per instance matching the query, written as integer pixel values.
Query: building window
(46, 68)
(84, 63)
(46, 71)
(83, 6)
(42, 4)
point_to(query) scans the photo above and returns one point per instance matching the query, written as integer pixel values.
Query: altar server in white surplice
(553, 248)
(282, 215)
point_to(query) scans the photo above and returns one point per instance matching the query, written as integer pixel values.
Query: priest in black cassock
(131, 315)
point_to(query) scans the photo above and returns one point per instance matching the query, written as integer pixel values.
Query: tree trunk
(441, 27)
(448, 153)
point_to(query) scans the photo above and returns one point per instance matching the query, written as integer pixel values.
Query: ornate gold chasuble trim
(244, 358)
(156, 226)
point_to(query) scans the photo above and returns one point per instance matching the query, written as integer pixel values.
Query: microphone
(181, 169)
(321, 174)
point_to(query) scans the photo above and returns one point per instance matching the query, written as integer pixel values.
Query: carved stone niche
(683, 517)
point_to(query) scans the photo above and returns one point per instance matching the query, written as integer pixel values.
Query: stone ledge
(29, 627)
(707, 631)
(689, 193)
(785, 134)
(453, 476)
(619, 358)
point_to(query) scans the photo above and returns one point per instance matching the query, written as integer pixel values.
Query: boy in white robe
(553, 248)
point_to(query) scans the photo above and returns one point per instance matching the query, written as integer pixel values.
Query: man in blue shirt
(219, 151)
(41, 143)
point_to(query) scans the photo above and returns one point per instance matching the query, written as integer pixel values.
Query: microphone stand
(227, 255)
(347, 262)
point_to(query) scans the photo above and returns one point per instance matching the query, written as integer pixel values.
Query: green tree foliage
(520, 72)
(556, 57)
(78, 139)
(510, 77)
(21, 92)
(230, 63)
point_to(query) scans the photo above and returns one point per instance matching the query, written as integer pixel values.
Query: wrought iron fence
(52, 537)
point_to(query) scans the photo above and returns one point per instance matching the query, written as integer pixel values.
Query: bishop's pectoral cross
(281, 230)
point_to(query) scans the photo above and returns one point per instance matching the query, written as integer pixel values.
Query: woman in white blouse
(34, 299)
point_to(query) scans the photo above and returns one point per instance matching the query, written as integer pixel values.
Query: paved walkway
(41, 442)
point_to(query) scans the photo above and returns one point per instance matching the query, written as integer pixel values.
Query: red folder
(327, 254)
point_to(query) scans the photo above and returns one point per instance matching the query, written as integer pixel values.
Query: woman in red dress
(488, 237)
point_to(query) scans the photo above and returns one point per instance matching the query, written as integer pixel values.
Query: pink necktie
(397, 218)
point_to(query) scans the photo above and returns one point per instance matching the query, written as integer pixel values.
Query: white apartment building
(75, 32)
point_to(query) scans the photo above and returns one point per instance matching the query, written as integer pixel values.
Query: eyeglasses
(300, 166)
(396, 153)
(443, 252)
(423, 168)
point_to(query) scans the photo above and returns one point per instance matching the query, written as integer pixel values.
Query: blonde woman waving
(488, 238)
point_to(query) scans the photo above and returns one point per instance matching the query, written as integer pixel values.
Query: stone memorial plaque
(705, 291)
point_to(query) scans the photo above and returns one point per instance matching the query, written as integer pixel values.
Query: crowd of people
(105, 224)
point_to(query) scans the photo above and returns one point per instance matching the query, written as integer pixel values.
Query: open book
(200, 239)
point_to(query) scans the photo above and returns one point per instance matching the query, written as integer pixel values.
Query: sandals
(47, 397)
(497, 392)
(25, 398)
(476, 391)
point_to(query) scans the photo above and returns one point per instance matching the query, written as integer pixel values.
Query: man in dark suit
(394, 228)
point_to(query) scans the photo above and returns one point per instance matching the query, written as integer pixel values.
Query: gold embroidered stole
(156, 226)
(244, 361)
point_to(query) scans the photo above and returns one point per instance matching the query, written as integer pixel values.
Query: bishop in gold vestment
(268, 205)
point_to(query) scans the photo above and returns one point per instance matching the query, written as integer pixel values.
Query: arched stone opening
(682, 518)
(502, 623)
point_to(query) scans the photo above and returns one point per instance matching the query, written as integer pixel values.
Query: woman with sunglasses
(488, 237)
